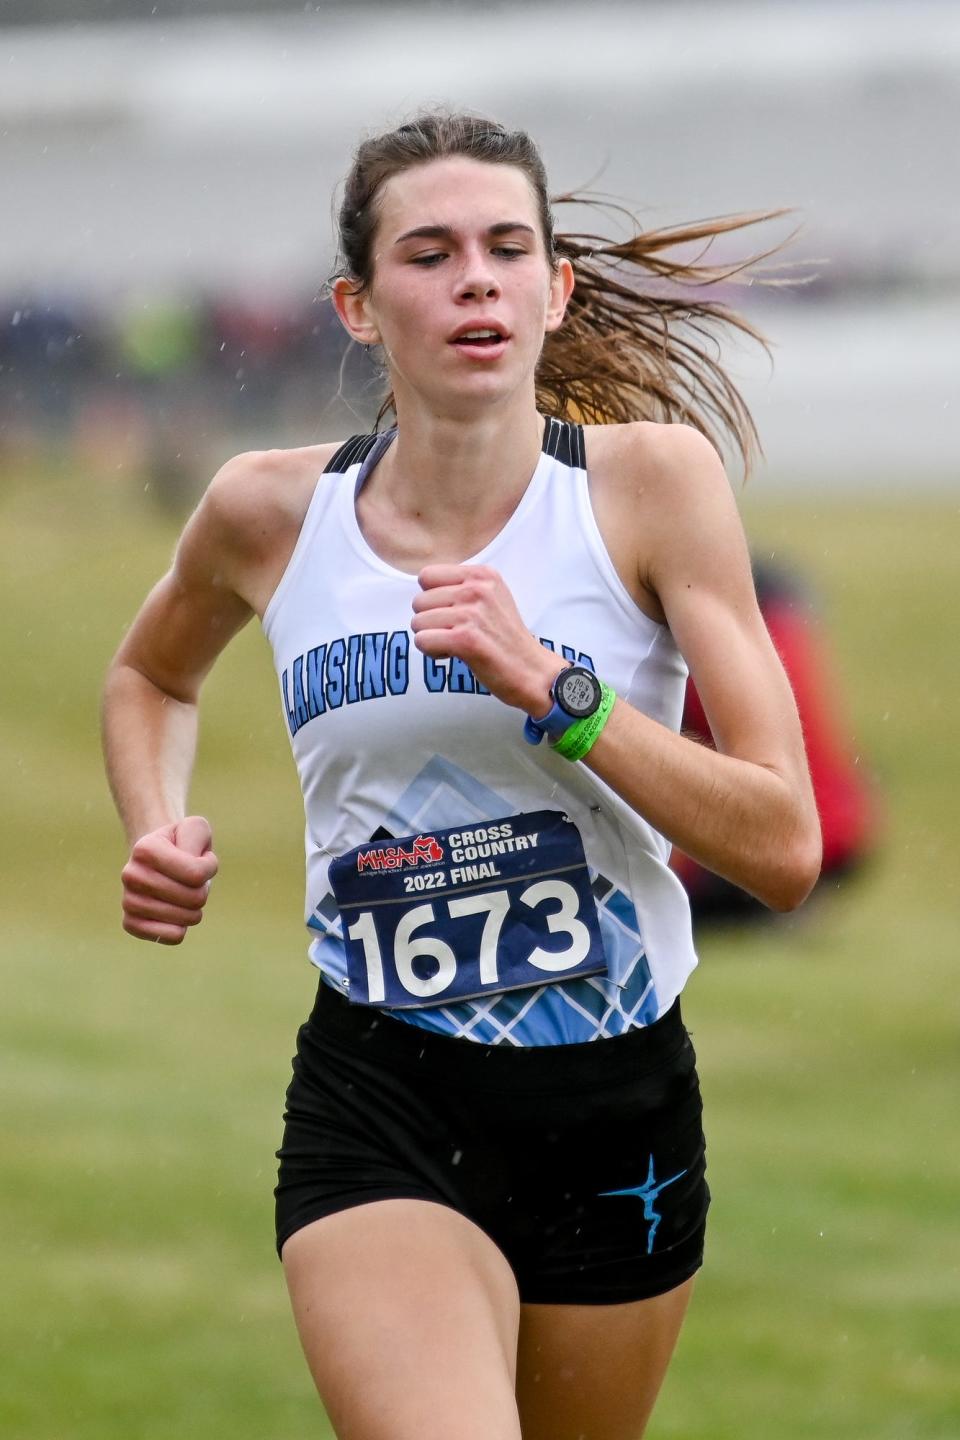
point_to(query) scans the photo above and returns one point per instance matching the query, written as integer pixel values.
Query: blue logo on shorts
(648, 1192)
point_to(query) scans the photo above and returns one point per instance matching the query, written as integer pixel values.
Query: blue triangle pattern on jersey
(441, 796)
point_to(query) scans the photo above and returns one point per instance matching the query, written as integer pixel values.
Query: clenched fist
(469, 611)
(166, 881)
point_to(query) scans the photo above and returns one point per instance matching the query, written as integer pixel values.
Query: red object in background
(846, 800)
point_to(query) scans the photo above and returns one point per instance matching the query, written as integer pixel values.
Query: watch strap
(555, 723)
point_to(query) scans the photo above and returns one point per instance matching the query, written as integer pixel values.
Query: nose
(477, 280)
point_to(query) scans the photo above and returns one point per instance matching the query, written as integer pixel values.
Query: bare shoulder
(662, 462)
(248, 521)
(655, 489)
(258, 491)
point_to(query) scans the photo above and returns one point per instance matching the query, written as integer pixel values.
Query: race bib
(459, 913)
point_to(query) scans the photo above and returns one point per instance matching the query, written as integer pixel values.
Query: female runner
(491, 1199)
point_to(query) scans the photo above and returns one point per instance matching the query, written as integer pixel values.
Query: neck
(458, 468)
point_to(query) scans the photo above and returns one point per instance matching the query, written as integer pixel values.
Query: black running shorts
(584, 1163)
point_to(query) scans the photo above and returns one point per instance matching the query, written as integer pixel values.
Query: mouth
(480, 336)
(487, 340)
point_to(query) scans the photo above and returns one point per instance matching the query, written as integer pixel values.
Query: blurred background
(167, 172)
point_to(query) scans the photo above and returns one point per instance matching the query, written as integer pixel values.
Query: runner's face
(462, 290)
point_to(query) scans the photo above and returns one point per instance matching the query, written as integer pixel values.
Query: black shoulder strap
(352, 451)
(563, 440)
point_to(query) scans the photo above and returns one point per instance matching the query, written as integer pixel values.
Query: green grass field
(142, 1087)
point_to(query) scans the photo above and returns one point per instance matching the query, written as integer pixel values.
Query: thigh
(593, 1372)
(408, 1315)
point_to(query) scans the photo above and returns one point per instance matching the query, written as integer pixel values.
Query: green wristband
(575, 742)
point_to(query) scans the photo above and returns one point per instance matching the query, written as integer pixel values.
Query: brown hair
(636, 344)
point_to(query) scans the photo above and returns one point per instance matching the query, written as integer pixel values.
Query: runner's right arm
(150, 712)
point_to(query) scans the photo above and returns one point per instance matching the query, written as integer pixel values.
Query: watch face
(578, 691)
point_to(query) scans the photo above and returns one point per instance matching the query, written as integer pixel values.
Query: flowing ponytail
(638, 342)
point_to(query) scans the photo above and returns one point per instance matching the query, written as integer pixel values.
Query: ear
(352, 306)
(561, 288)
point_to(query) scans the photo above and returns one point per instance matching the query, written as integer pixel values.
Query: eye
(509, 252)
(429, 259)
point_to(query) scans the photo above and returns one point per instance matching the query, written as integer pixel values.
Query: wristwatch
(576, 694)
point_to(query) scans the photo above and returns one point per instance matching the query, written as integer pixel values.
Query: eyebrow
(445, 232)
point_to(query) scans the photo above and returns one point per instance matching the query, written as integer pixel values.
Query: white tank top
(389, 742)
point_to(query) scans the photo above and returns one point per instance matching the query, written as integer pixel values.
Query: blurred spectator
(157, 338)
(846, 800)
(158, 389)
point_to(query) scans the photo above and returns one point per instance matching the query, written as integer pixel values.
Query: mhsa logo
(426, 850)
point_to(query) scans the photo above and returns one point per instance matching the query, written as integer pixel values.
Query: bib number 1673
(427, 981)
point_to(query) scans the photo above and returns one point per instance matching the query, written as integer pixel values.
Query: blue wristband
(555, 723)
